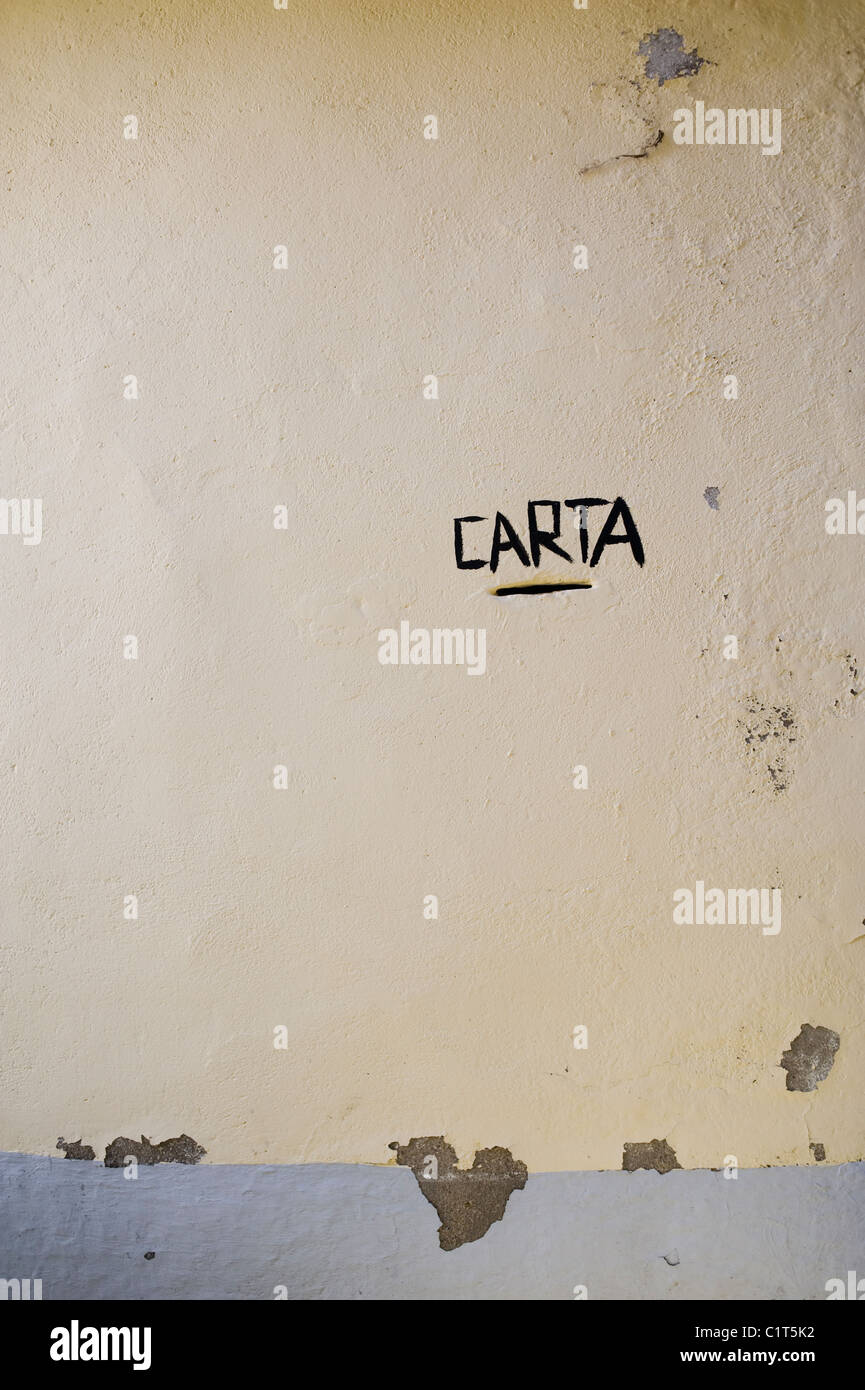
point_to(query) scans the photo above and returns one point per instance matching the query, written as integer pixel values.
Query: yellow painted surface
(258, 647)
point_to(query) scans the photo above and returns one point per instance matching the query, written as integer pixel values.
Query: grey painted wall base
(353, 1232)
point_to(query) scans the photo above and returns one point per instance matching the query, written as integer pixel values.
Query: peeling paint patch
(819, 1152)
(467, 1200)
(673, 1258)
(664, 52)
(850, 686)
(853, 672)
(712, 497)
(75, 1149)
(180, 1150)
(769, 730)
(810, 1057)
(656, 1154)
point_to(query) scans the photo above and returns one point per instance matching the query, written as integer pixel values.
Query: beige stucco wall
(258, 647)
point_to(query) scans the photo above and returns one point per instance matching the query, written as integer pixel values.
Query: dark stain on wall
(75, 1149)
(810, 1057)
(853, 673)
(180, 1150)
(467, 1200)
(819, 1152)
(769, 730)
(655, 1154)
(664, 52)
(711, 495)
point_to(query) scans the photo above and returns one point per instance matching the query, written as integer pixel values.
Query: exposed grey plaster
(181, 1150)
(75, 1149)
(665, 55)
(655, 1154)
(468, 1200)
(810, 1057)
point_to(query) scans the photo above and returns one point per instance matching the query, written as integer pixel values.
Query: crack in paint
(650, 144)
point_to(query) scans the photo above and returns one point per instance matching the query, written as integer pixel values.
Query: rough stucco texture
(302, 908)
